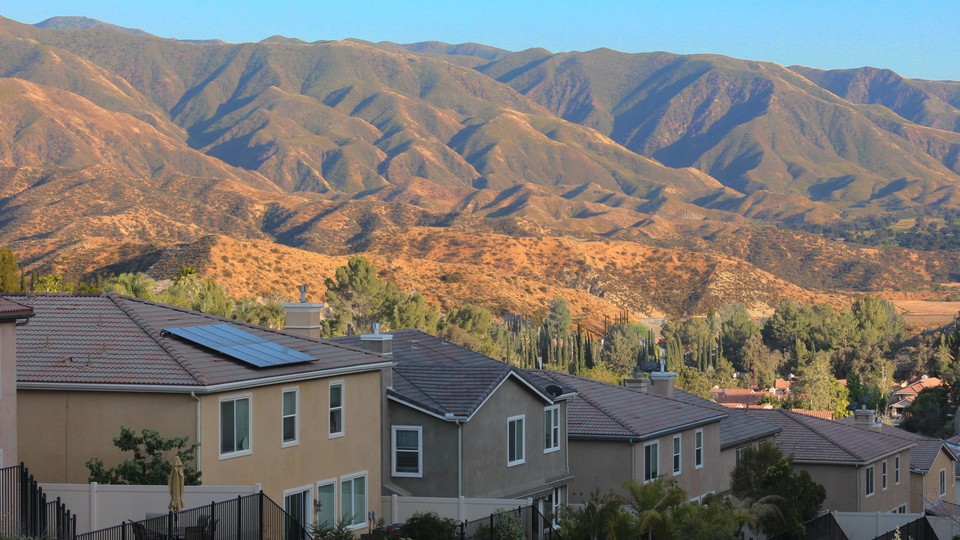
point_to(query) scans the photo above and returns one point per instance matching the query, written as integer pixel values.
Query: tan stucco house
(298, 416)
(12, 314)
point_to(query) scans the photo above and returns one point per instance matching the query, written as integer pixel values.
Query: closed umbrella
(175, 483)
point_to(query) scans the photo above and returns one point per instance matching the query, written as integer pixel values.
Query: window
(297, 502)
(234, 426)
(742, 451)
(515, 432)
(943, 482)
(896, 470)
(353, 500)
(551, 429)
(407, 454)
(676, 455)
(902, 509)
(869, 476)
(289, 417)
(698, 448)
(327, 502)
(651, 461)
(336, 409)
(883, 475)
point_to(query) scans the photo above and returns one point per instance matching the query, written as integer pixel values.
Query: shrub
(428, 526)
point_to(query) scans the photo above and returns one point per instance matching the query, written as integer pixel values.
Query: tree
(139, 285)
(413, 311)
(623, 347)
(655, 505)
(735, 330)
(760, 363)
(817, 389)
(358, 292)
(602, 517)
(930, 413)
(878, 323)
(470, 326)
(559, 319)
(9, 271)
(765, 475)
(207, 296)
(788, 327)
(48, 283)
(150, 464)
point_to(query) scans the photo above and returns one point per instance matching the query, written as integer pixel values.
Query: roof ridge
(609, 414)
(797, 418)
(490, 388)
(155, 335)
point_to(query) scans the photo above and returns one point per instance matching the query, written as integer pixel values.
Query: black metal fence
(919, 529)
(251, 517)
(526, 520)
(25, 510)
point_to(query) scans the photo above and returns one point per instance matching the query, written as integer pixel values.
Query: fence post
(260, 513)
(94, 519)
(491, 526)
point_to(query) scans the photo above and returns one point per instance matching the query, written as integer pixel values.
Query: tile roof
(814, 440)
(602, 411)
(115, 339)
(738, 427)
(925, 449)
(10, 310)
(444, 378)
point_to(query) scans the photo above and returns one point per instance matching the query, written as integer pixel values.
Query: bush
(428, 526)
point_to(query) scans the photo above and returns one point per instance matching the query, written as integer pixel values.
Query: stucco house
(12, 314)
(298, 416)
(458, 423)
(862, 470)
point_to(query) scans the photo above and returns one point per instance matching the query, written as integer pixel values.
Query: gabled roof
(925, 449)
(602, 411)
(814, 440)
(444, 379)
(114, 341)
(738, 428)
(11, 311)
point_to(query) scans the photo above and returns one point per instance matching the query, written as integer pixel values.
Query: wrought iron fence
(250, 517)
(25, 510)
(528, 519)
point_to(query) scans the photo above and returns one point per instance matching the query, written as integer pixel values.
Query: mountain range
(656, 183)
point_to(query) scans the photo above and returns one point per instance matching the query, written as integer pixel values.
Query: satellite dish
(554, 390)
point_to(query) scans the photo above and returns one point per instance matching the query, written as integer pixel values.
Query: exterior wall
(599, 466)
(61, 430)
(846, 485)
(728, 461)
(439, 455)
(485, 447)
(925, 488)
(316, 456)
(8, 394)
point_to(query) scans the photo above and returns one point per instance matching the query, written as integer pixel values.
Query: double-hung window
(883, 476)
(551, 429)
(353, 500)
(676, 454)
(698, 448)
(408, 451)
(869, 477)
(234, 426)
(896, 470)
(943, 482)
(515, 436)
(336, 409)
(288, 417)
(651, 461)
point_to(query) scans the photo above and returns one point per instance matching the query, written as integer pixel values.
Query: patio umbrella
(175, 483)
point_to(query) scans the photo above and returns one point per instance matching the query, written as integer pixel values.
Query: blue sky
(915, 39)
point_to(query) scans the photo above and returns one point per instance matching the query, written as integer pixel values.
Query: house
(298, 416)
(12, 314)
(861, 469)
(458, 423)
(619, 433)
(904, 394)
(932, 465)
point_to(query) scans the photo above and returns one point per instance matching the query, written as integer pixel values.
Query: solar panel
(239, 345)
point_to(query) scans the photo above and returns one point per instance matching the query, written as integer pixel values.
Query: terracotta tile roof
(442, 377)
(925, 449)
(813, 440)
(913, 388)
(114, 339)
(825, 415)
(10, 310)
(602, 410)
(738, 428)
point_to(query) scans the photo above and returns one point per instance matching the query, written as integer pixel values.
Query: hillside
(656, 183)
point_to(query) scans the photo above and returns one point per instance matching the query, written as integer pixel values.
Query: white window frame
(943, 482)
(336, 497)
(677, 462)
(869, 487)
(883, 476)
(393, 451)
(296, 417)
(551, 431)
(366, 506)
(308, 502)
(698, 448)
(896, 470)
(341, 409)
(522, 418)
(647, 477)
(249, 449)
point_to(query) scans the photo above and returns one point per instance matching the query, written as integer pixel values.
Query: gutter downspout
(459, 459)
(196, 457)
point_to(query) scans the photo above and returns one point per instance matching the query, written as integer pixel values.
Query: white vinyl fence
(98, 506)
(398, 509)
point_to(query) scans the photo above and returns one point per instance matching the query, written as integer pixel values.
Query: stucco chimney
(865, 418)
(304, 318)
(640, 383)
(377, 342)
(661, 383)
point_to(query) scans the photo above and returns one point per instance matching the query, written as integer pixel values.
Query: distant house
(861, 469)
(619, 433)
(12, 314)
(458, 423)
(298, 416)
(904, 394)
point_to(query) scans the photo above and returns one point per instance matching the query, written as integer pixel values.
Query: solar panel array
(239, 345)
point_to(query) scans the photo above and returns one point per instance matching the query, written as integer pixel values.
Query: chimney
(661, 383)
(640, 383)
(865, 418)
(376, 342)
(304, 318)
